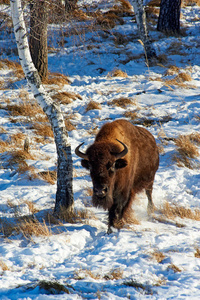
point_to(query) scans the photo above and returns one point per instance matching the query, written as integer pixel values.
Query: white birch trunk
(64, 194)
(140, 15)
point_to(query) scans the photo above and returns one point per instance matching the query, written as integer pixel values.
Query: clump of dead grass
(174, 268)
(32, 227)
(42, 129)
(52, 287)
(17, 160)
(117, 73)
(174, 210)
(3, 266)
(187, 150)
(158, 256)
(76, 215)
(57, 79)
(114, 274)
(197, 253)
(66, 97)
(48, 176)
(121, 102)
(92, 105)
(186, 147)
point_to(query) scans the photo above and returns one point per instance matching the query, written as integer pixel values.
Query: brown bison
(122, 161)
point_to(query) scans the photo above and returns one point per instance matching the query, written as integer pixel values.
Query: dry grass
(3, 266)
(173, 211)
(185, 145)
(17, 160)
(48, 176)
(197, 253)
(131, 115)
(178, 81)
(32, 227)
(109, 19)
(43, 129)
(57, 79)
(92, 105)
(190, 3)
(66, 97)
(117, 73)
(187, 150)
(121, 102)
(52, 287)
(114, 274)
(69, 126)
(16, 67)
(77, 215)
(174, 268)
(158, 256)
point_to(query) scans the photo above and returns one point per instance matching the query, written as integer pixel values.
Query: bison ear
(120, 163)
(85, 163)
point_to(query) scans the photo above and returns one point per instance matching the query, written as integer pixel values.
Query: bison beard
(122, 161)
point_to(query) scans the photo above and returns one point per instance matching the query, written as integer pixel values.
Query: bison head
(103, 159)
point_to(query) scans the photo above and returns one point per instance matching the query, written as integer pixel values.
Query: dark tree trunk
(169, 17)
(70, 5)
(38, 36)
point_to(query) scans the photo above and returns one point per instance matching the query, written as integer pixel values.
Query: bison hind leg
(150, 207)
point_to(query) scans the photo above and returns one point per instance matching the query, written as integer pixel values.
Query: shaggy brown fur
(116, 181)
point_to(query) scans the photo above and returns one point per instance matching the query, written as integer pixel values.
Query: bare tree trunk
(70, 5)
(169, 17)
(38, 36)
(140, 15)
(64, 194)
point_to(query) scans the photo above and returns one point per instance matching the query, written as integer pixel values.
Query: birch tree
(64, 194)
(140, 15)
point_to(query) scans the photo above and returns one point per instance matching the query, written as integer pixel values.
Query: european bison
(122, 161)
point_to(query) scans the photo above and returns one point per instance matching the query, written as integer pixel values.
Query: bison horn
(79, 153)
(123, 152)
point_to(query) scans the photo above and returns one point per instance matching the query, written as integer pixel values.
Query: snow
(82, 257)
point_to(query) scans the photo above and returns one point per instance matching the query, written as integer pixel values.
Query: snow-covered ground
(158, 258)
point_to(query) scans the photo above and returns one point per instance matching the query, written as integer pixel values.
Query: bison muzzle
(122, 161)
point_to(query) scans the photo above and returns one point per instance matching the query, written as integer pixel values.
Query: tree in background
(140, 15)
(70, 5)
(169, 17)
(64, 193)
(38, 36)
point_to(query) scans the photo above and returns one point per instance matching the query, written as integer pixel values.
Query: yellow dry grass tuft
(92, 105)
(197, 253)
(57, 79)
(131, 115)
(158, 256)
(32, 227)
(77, 215)
(121, 102)
(174, 268)
(48, 176)
(114, 274)
(66, 97)
(187, 150)
(43, 129)
(117, 73)
(3, 266)
(186, 147)
(173, 211)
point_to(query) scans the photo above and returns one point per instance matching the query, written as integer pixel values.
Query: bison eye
(110, 167)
